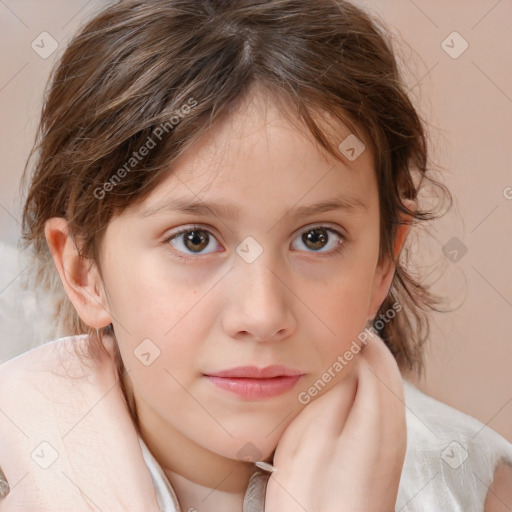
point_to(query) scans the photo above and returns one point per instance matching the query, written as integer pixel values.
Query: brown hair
(137, 65)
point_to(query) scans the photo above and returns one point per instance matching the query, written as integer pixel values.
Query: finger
(320, 421)
(324, 418)
(380, 358)
(392, 400)
(377, 418)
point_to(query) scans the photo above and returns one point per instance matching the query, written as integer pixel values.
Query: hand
(344, 455)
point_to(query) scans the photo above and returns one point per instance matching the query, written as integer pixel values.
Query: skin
(297, 304)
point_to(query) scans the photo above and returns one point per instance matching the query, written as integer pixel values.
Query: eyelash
(189, 258)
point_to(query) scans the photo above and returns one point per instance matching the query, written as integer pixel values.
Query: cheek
(164, 366)
(147, 298)
(160, 331)
(342, 304)
(342, 297)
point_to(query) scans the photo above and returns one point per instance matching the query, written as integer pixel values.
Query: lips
(253, 383)
(253, 372)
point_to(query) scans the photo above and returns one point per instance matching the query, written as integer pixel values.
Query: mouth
(253, 383)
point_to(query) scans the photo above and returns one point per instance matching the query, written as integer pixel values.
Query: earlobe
(79, 275)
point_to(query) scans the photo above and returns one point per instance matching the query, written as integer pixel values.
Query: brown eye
(193, 241)
(315, 238)
(320, 239)
(196, 241)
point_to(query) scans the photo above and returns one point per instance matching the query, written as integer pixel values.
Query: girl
(225, 189)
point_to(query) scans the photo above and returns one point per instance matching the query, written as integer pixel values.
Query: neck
(203, 481)
(194, 497)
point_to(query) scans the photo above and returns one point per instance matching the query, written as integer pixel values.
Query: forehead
(261, 154)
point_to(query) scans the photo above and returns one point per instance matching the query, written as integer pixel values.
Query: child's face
(206, 305)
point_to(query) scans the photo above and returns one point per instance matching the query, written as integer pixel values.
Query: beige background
(468, 101)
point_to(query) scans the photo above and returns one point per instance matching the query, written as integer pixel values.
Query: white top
(450, 460)
(165, 495)
(449, 464)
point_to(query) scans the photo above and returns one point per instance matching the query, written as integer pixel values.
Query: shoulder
(36, 381)
(55, 358)
(64, 419)
(451, 457)
(52, 373)
(28, 384)
(41, 387)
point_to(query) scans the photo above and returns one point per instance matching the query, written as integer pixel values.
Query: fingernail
(265, 466)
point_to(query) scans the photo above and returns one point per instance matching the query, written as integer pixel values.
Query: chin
(248, 449)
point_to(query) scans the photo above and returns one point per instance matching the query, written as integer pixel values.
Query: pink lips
(253, 383)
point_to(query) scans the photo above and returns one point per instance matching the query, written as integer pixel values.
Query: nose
(259, 306)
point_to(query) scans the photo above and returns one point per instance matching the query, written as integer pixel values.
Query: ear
(385, 270)
(79, 275)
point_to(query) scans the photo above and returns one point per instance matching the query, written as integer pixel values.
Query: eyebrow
(192, 206)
